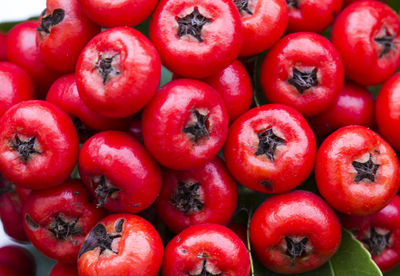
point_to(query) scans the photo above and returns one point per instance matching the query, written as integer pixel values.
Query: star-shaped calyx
(296, 249)
(387, 43)
(103, 191)
(105, 67)
(25, 148)
(366, 170)
(243, 6)
(62, 229)
(50, 20)
(198, 128)
(204, 271)
(268, 142)
(376, 242)
(186, 197)
(192, 24)
(303, 80)
(293, 3)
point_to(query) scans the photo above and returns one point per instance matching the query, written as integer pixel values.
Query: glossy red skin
(354, 105)
(16, 86)
(186, 56)
(303, 51)
(234, 85)
(11, 212)
(294, 214)
(224, 252)
(56, 138)
(126, 164)
(313, 15)
(5, 270)
(356, 45)
(71, 199)
(3, 46)
(387, 219)
(166, 116)
(388, 111)
(335, 175)
(139, 66)
(140, 250)
(118, 13)
(60, 48)
(264, 27)
(64, 94)
(218, 192)
(19, 259)
(61, 269)
(23, 51)
(293, 162)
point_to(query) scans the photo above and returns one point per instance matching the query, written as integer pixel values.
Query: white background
(15, 10)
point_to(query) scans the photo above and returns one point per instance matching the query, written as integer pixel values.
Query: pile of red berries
(152, 159)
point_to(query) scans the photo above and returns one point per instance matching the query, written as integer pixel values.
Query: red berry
(19, 259)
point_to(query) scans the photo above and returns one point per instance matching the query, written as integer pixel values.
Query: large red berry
(356, 171)
(270, 149)
(204, 195)
(207, 249)
(196, 38)
(57, 220)
(310, 74)
(366, 35)
(62, 33)
(185, 125)
(118, 13)
(119, 172)
(38, 145)
(121, 244)
(118, 79)
(294, 232)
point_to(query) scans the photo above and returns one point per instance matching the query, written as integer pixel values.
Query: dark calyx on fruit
(51, 20)
(197, 129)
(303, 80)
(204, 271)
(387, 42)
(192, 24)
(103, 191)
(365, 170)
(25, 148)
(268, 142)
(293, 3)
(186, 197)
(62, 229)
(376, 242)
(98, 237)
(105, 68)
(296, 249)
(243, 6)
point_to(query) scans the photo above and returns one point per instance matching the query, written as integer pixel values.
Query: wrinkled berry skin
(136, 248)
(181, 109)
(50, 138)
(385, 222)
(118, 13)
(356, 171)
(206, 249)
(294, 215)
(59, 46)
(365, 60)
(118, 79)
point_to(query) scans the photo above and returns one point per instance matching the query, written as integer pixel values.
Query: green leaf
(351, 259)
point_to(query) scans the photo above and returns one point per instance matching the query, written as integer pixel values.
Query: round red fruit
(196, 38)
(185, 125)
(270, 149)
(294, 232)
(207, 249)
(366, 35)
(356, 171)
(61, 269)
(57, 220)
(310, 74)
(121, 244)
(38, 142)
(119, 172)
(118, 79)
(19, 259)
